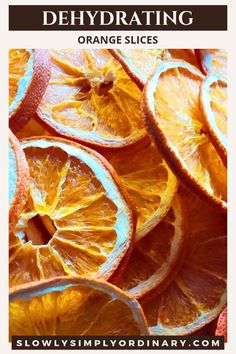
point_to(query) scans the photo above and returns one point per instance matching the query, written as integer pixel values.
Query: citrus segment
(29, 73)
(155, 258)
(91, 99)
(173, 114)
(70, 306)
(18, 180)
(213, 60)
(140, 63)
(33, 128)
(213, 99)
(77, 216)
(197, 293)
(18, 62)
(149, 182)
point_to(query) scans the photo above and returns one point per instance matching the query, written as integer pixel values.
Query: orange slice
(149, 182)
(155, 258)
(197, 294)
(91, 99)
(77, 220)
(140, 63)
(172, 110)
(18, 180)
(70, 306)
(213, 60)
(213, 99)
(29, 73)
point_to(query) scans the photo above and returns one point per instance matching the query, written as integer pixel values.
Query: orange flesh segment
(149, 182)
(178, 115)
(81, 309)
(198, 293)
(91, 98)
(219, 107)
(155, 257)
(32, 128)
(18, 60)
(88, 228)
(214, 104)
(214, 60)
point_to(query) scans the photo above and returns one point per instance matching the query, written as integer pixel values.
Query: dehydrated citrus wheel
(213, 99)
(91, 99)
(213, 60)
(172, 110)
(18, 180)
(140, 63)
(197, 294)
(77, 220)
(69, 306)
(155, 258)
(149, 182)
(29, 73)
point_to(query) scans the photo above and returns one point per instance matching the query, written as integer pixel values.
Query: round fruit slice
(173, 114)
(221, 326)
(149, 182)
(29, 73)
(155, 258)
(91, 99)
(18, 180)
(197, 294)
(140, 63)
(77, 221)
(69, 306)
(213, 99)
(213, 60)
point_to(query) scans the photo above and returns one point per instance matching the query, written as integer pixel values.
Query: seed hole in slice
(39, 230)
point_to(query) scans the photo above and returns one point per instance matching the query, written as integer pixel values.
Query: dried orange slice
(149, 182)
(91, 99)
(70, 306)
(18, 180)
(197, 294)
(172, 110)
(213, 99)
(140, 63)
(213, 60)
(77, 220)
(29, 73)
(155, 258)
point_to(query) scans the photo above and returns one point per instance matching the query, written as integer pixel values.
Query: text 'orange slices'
(197, 294)
(213, 61)
(18, 180)
(70, 306)
(172, 110)
(77, 220)
(213, 99)
(91, 99)
(155, 258)
(29, 73)
(140, 63)
(149, 182)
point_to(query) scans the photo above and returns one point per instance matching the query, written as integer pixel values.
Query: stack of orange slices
(117, 191)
